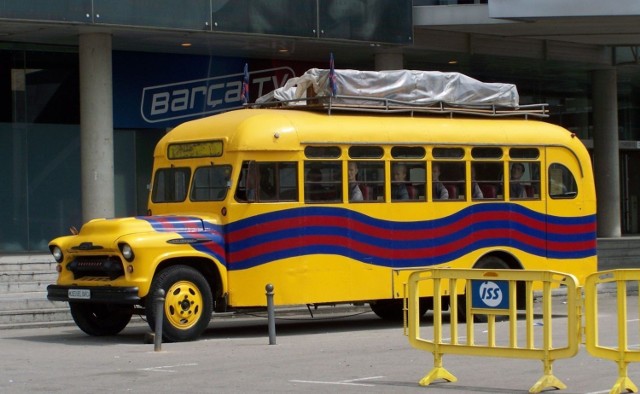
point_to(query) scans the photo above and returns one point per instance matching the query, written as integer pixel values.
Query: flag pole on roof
(332, 77)
(244, 94)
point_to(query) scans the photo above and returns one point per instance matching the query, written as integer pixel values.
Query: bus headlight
(126, 251)
(57, 254)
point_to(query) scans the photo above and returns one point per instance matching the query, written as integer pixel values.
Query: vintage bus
(330, 207)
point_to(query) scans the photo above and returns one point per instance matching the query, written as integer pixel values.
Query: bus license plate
(80, 294)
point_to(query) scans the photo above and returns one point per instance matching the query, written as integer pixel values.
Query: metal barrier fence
(487, 295)
(490, 295)
(619, 353)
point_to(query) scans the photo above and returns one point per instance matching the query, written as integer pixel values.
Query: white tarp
(408, 86)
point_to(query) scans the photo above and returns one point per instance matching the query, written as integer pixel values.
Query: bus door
(565, 186)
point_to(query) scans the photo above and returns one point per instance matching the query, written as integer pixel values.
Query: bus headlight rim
(127, 252)
(57, 254)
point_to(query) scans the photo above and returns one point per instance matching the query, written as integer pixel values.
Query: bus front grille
(96, 266)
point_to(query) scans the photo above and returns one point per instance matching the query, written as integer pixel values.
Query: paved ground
(331, 353)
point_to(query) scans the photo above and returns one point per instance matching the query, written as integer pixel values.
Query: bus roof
(292, 129)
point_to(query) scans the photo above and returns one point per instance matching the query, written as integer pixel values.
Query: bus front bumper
(98, 294)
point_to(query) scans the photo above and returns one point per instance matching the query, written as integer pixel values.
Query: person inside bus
(515, 187)
(476, 192)
(267, 182)
(439, 191)
(355, 194)
(399, 187)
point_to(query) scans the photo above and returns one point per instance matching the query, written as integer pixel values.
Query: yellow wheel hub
(183, 304)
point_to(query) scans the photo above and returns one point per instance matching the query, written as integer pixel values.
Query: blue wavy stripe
(514, 234)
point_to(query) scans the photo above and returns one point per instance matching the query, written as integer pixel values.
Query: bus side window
(524, 180)
(407, 181)
(562, 184)
(270, 181)
(448, 180)
(322, 181)
(489, 178)
(288, 182)
(369, 179)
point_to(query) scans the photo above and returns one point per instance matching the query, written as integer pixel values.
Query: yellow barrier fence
(619, 351)
(489, 295)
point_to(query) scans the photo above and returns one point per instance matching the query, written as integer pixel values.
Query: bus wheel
(487, 262)
(188, 303)
(100, 319)
(391, 310)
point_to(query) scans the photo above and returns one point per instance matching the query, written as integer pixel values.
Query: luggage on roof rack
(399, 91)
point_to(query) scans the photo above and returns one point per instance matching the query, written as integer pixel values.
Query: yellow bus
(329, 208)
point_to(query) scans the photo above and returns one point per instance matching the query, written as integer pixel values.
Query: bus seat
(453, 191)
(488, 191)
(411, 190)
(367, 192)
(529, 190)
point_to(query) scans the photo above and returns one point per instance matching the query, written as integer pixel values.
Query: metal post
(271, 315)
(159, 305)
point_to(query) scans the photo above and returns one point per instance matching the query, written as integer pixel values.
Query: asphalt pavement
(346, 351)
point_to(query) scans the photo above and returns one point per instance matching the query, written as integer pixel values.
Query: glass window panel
(524, 180)
(408, 152)
(366, 181)
(210, 183)
(389, 21)
(448, 153)
(365, 152)
(278, 17)
(170, 184)
(322, 181)
(489, 179)
(486, 153)
(408, 181)
(448, 180)
(59, 10)
(524, 153)
(322, 152)
(154, 13)
(562, 183)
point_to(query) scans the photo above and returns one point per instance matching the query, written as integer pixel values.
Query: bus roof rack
(399, 91)
(383, 105)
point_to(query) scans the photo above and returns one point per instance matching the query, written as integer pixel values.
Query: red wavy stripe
(395, 234)
(384, 252)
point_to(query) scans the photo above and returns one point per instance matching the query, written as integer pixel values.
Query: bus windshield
(210, 183)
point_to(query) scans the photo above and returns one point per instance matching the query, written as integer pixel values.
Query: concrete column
(606, 152)
(96, 126)
(389, 60)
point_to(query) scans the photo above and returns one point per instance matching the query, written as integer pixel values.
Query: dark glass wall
(383, 21)
(39, 148)
(41, 196)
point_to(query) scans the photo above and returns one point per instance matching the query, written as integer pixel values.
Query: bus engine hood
(104, 233)
(142, 224)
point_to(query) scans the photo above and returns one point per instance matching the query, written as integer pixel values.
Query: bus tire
(487, 262)
(188, 303)
(100, 319)
(392, 310)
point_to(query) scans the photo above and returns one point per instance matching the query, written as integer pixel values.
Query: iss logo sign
(490, 294)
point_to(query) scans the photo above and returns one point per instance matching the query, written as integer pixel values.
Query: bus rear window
(562, 184)
(170, 185)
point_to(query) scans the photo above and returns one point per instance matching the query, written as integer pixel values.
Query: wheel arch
(511, 260)
(209, 268)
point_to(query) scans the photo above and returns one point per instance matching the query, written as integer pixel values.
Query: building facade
(89, 86)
